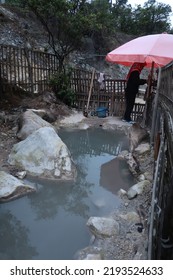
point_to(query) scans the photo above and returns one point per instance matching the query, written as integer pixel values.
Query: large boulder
(29, 122)
(11, 187)
(43, 154)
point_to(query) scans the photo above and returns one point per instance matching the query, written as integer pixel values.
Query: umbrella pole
(143, 124)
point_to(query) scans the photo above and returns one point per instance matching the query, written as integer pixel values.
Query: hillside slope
(22, 29)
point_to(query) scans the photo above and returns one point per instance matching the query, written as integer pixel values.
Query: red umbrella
(157, 48)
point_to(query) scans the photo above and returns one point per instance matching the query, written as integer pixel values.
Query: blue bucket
(101, 112)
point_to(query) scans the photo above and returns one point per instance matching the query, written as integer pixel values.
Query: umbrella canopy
(157, 48)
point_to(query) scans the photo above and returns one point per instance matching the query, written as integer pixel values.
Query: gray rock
(122, 192)
(103, 227)
(143, 148)
(12, 188)
(148, 176)
(130, 216)
(123, 154)
(137, 189)
(141, 177)
(28, 123)
(131, 194)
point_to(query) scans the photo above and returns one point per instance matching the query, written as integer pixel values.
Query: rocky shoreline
(126, 233)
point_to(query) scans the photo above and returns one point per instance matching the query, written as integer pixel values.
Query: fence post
(30, 70)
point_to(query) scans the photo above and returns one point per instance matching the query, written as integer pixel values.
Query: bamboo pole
(90, 90)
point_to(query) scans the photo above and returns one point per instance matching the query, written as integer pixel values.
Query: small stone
(141, 177)
(130, 216)
(21, 174)
(122, 192)
(131, 194)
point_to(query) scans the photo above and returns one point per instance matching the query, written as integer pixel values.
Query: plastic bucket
(101, 112)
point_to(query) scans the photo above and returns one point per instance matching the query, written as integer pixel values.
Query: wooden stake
(90, 90)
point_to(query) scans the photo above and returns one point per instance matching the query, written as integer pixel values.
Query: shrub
(60, 83)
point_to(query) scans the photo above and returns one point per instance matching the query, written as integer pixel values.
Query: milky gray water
(51, 223)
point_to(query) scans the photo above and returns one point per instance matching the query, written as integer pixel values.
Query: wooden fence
(109, 94)
(31, 71)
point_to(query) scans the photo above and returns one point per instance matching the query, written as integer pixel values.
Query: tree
(152, 18)
(102, 28)
(122, 13)
(65, 21)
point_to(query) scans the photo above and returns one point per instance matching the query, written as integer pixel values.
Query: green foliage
(122, 13)
(152, 18)
(60, 83)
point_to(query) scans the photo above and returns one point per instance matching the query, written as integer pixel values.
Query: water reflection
(52, 196)
(94, 141)
(14, 242)
(114, 175)
(51, 223)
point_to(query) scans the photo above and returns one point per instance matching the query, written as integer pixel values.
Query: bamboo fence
(30, 71)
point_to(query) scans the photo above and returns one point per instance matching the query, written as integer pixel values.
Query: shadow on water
(51, 223)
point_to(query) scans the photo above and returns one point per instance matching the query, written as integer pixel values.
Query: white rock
(142, 148)
(122, 192)
(131, 193)
(11, 187)
(44, 154)
(73, 119)
(141, 177)
(21, 174)
(137, 189)
(103, 227)
(123, 154)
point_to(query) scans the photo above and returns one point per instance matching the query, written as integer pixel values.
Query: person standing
(131, 90)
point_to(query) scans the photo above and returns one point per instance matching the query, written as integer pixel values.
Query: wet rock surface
(12, 188)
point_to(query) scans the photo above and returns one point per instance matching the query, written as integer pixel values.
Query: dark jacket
(134, 82)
